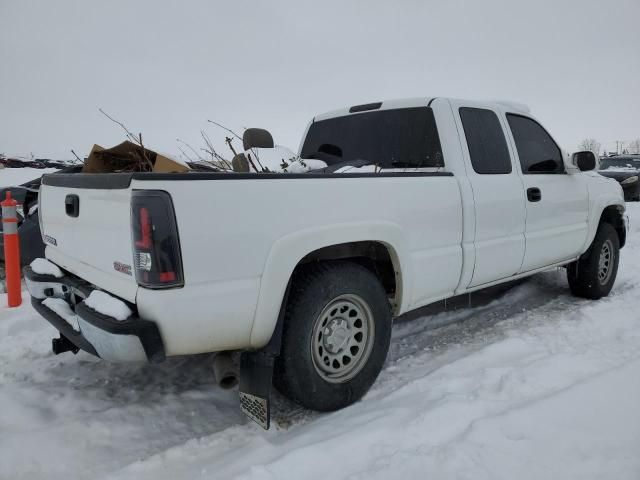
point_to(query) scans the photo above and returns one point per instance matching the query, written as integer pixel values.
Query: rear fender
(288, 251)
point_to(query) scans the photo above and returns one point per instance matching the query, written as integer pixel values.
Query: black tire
(299, 370)
(585, 276)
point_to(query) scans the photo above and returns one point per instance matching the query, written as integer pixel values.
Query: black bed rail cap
(101, 181)
(114, 181)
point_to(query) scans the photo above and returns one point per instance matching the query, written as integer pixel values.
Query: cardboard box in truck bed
(129, 157)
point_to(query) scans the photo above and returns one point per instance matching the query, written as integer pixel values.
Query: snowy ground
(537, 384)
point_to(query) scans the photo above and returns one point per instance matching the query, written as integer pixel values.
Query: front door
(557, 203)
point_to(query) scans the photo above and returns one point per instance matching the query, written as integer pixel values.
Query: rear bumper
(133, 339)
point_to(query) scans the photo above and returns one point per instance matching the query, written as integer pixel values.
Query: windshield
(606, 163)
(398, 138)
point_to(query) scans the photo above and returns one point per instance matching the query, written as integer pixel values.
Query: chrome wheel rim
(342, 338)
(605, 262)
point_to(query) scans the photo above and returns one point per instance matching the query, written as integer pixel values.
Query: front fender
(289, 250)
(598, 204)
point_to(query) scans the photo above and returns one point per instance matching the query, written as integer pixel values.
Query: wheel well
(614, 215)
(375, 256)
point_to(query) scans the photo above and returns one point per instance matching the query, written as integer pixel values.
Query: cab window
(485, 139)
(537, 151)
(395, 138)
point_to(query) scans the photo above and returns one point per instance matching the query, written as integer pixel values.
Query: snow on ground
(10, 177)
(536, 384)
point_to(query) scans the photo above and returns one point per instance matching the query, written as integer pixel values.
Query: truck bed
(241, 236)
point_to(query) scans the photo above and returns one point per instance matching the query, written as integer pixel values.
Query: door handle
(534, 194)
(72, 205)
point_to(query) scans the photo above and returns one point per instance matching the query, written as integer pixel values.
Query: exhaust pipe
(225, 371)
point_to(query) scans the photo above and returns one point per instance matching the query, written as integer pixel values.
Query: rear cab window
(487, 145)
(395, 138)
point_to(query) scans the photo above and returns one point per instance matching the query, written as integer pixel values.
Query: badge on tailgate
(50, 239)
(122, 268)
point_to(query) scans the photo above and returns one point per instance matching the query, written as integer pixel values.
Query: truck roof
(415, 102)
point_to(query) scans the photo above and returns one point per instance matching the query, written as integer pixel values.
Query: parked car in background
(48, 163)
(14, 162)
(36, 164)
(40, 163)
(626, 170)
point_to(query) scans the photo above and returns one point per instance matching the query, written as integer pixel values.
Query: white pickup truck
(422, 199)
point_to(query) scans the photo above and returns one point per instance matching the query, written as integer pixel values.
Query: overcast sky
(164, 68)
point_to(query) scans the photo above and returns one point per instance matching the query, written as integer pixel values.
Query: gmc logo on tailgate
(122, 268)
(50, 240)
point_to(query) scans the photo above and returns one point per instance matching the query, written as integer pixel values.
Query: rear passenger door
(497, 192)
(557, 203)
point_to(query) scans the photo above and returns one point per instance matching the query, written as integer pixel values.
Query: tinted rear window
(485, 139)
(399, 138)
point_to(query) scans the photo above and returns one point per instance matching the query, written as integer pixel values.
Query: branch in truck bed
(216, 157)
(189, 159)
(77, 157)
(142, 160)
(227, 129)
(190, 148)
(130, 136)
(145, 155)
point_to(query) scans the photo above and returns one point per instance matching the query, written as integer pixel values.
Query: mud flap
(256, 374)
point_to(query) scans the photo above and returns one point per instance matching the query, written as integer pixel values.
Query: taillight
(156, 247)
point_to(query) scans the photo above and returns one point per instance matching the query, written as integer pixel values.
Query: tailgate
(86, 226)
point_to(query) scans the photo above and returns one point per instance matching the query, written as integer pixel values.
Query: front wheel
(594, 273)
(335, 338)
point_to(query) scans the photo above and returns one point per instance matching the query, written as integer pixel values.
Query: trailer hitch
(63, 344)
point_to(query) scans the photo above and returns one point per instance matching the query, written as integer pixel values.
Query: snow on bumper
(96, 332)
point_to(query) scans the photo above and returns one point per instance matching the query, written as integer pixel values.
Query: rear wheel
(335, 337)
(594, 273)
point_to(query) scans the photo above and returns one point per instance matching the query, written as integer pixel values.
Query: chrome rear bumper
(130, 340)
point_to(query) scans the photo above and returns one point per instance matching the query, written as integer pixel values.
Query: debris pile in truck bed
(129, 157)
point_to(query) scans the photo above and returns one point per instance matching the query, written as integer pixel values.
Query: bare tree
(634, 146)
(590, 144)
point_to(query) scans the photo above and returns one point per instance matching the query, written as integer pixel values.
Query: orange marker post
(11, 250)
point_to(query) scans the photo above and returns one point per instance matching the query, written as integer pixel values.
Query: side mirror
(256, 138)
(585, 160)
